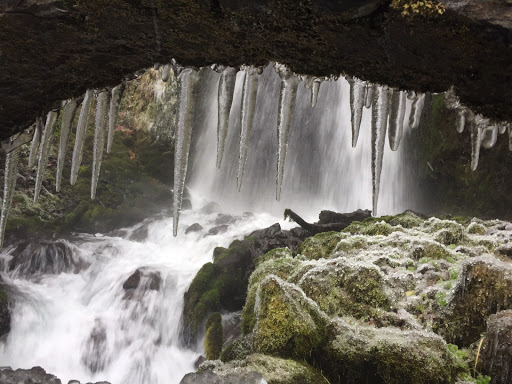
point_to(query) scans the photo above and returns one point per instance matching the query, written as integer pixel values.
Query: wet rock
(214, 339)
(231, 322)
(196, 227)
(217, 230)
(505, 250)
(36, 375)
(140, 234)
(5, 313)
(133, 281)
(150, 280)
(483, 288)
(223, 219)
(46, 257)
(208, 377)
(200, 360)
(496, 352)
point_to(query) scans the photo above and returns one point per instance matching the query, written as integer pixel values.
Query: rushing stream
(85, 326)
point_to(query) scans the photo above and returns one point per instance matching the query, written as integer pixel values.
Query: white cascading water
(322, 170)
(85, 326)
(74, 324)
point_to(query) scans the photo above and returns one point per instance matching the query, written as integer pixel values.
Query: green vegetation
(214, 336)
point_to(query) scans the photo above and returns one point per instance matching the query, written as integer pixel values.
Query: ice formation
(461, 119)
(357, 101)
(313, 83)
(368, 97)
(416, 110)
(44, 150)
(379, 126)
(113, 114)
(287, 96)
(102, 112)
(34, 145)
(187, 81)
(11, 172)
(225, 99)
(476, 139)
(166, 72)
(69, 108)
(396, 119)
(249, 94)
(81, 130)
(489, 136)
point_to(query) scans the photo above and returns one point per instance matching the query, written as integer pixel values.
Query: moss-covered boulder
(214, 336)
(238, 349)
(273, 369)
(320, 246)
(364, 354)
(288, 323)
(483, 288)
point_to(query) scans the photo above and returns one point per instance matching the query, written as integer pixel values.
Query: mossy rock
(288, 323)
(342, 287)
(238, 349)
(430, 250)
(320, 246)
(372, 227)
(483, 288)
(476, 229)
(275, 370)
(214, 336)
(360, 353)
(279, 263)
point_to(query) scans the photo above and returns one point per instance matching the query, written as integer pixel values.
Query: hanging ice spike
(416, 110)
(287, 97)
(11, 172)
(44, 150)
(357, 101)
(69, 108)
(313, 83)
(489, 136)
(379, 125)
(166, 72)
(225, 99)
(368, 98)
(102, 109)
(81, 130)
(461, 119)
(249, 94)
(187, 81)
(113, 114)
(34, 145)
(396, 119)
(476, 139)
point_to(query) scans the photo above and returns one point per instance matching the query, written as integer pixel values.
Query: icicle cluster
(483, 131)
(99, 137)
(358, 92)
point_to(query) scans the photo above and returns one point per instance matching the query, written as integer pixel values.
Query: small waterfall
(322, 169)
(99, 307)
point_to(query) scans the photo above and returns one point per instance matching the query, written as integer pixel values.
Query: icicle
(416, 110)
(368, 98)
(44, 150)
(313, 83)
(461, 119)
(68, 115)
(379, 125)
(225, 99)
(502, 127)
(187, 80)
(81, 130)
(510, 137)
(451, 100)
(396, 119)
(166, 72)
(411, 95)
(99, 137)
(357, 100)
(287, 96)
(249, 93)
(489, 136)
(11, 172)
(115, 101)
(476, 140)
(34, 146)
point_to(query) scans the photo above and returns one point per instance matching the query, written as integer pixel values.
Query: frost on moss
(214, 336)
(288, 323)
(320, 246)
(476, 229)
(275, 370)
(359, 353)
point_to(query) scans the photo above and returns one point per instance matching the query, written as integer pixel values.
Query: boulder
(196, 227)
(496, 352)
(209, 377)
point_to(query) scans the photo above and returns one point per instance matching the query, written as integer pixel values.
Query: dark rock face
(59, 55)
(218, 230)
(496, 352)
(45, 257)
(36, 375)
(133, 281)
(208, 377)
(143, 278)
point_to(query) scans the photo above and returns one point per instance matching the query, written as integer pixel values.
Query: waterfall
(82, 324)
(322, 169)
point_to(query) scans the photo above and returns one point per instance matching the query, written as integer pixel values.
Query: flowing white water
(322, 171)
(75, 324)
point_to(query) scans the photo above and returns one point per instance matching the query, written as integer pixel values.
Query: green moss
(476, 229)
(320, 246)
(236, 247)
(277, 253)
(430, 250)
(372, 227)
(214, 336)
(237, 350)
